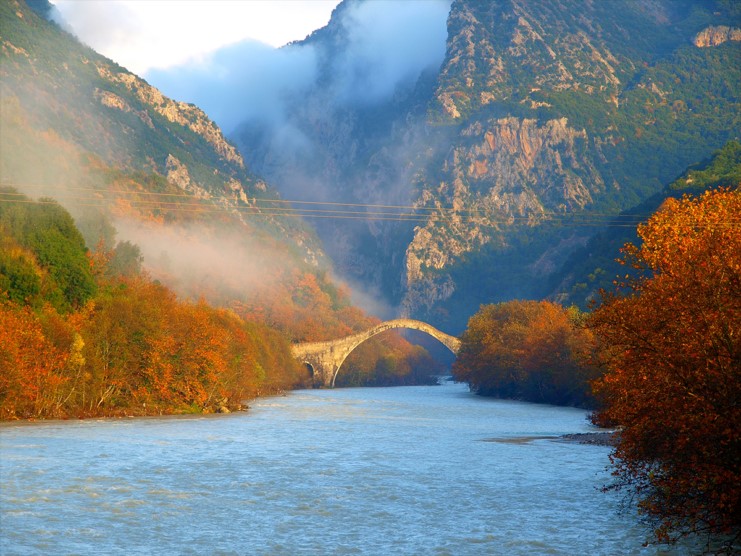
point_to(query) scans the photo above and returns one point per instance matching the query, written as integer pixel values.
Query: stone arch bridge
(326, 358)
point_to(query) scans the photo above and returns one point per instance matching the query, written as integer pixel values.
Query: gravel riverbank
(597, 438)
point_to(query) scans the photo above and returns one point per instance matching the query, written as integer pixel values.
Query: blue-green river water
(429, 470)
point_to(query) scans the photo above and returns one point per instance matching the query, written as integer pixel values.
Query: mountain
(543, 121)
(132, 165)
(56, 90)
(595, 266)
(152, 184)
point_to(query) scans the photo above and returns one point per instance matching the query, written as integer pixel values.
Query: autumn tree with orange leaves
(672, 347)
(528, 350)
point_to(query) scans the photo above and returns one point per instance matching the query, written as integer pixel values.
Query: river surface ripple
(430, 470)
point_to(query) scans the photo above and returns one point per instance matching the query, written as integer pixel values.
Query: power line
(102, 198)
(258, 200)
(93, 202)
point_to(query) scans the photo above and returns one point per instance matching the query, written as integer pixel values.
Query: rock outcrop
(502, 172)
(716, 35)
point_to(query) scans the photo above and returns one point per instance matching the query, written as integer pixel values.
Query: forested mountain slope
(594, 266)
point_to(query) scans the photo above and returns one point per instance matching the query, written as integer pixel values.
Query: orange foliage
(530, 350)
(673, 351)
(136, 349)
(31, 367)
(388, 360)
(306, 306)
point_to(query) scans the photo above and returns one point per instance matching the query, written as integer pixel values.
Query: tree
(530, 350)
(672, 347)
(48, 231)
(126, 260)
(31, 367)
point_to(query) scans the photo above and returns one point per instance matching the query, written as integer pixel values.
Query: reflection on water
(413, 470)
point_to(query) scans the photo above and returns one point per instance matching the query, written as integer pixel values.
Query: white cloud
(143, 35)
(244, 81)
(389, 43)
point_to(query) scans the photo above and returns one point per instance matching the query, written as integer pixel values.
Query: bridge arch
(326, 358)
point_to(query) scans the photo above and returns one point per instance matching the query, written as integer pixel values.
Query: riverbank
(606, 438)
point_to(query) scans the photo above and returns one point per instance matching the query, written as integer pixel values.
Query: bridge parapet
(326, 357)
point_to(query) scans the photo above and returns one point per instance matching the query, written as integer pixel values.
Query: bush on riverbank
(135, 349)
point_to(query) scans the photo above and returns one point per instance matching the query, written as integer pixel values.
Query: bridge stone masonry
(326, 358)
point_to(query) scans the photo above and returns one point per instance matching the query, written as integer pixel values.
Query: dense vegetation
(527, 350)
(88, 334)
(671, 346)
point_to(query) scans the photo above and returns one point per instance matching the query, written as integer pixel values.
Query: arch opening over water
(326, 358)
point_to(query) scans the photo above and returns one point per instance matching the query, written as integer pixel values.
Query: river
(428, 470)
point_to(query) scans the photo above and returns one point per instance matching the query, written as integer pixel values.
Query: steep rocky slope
(67, 110)
(543, 119)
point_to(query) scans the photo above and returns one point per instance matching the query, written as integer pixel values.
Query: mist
(248, 81)
(389, 44)
(202, 260)
(286, 107)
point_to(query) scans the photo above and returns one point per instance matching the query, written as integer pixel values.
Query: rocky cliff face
(543, 118)
(501, 51)
(504, 172)
(716, 35)
(181, 113)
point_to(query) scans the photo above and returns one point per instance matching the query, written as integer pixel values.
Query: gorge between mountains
(521, 214)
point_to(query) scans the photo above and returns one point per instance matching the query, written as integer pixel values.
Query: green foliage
(595, 267)
(126, 260)
(97, 229)
(67, 265)
(18, 278)
(47, 230)
(722, 170)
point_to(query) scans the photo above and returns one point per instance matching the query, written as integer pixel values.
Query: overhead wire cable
(257, 200)
(101, 198)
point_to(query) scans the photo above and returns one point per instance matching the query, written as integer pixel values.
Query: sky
(143, 35)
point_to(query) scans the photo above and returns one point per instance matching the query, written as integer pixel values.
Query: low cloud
(199, 260)
(389, 43)
(248, 81)
(143, 35)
